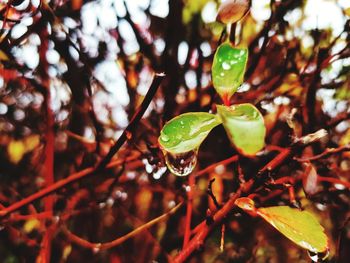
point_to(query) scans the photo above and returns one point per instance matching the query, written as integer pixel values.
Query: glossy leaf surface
(245, 127)
(301, 227)
(187, 131)
(228, 69)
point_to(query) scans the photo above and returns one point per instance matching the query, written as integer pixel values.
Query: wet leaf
(245, 127)
(301, 227)
(228, 69)
(186, 132)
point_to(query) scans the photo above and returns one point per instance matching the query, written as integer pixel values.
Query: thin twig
(189, 208)
(211, 194)
(326, 153)
(211, 167)
(100, 246)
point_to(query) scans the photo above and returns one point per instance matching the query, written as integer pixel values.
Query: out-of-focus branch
(326, 153)
(126, 135)
(100, 246)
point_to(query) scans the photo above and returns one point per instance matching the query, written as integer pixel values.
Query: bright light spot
(281, 100)
(138, 16)
(109, 74)
(144, 81)
(260, 10)
(18, 31)
(160, 8)
(3, 108)
(18, 115)
(120, 117)
(206, 49)
(52, 56)
(182, 52)
(89, 18)
(190, 78)
(131, 46)
(323, 14)
(293, 16)
(209, 12)
(159, 44)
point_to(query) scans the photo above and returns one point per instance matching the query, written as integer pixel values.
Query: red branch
(191, 183)
(204, 229)
(48, 171)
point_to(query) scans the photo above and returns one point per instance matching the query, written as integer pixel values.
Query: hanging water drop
(181, 164)
(318, 257)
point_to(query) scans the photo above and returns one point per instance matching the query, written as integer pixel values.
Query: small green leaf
(228, 69)
(301, 227)
(187, 131)
(245, 127)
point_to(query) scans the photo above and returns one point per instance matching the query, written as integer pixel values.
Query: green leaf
(245, 127)
(228, 69)
(187, 131)
(301, 227)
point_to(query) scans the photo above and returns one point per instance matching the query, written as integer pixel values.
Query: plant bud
(231, 11)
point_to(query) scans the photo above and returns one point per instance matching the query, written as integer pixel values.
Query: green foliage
(245, 127)
(228, 69)
(301, 227)
(186, 132)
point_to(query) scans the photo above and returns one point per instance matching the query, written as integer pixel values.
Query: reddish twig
(333, 181)
(48, 171)
(101, 246)
(187, 235)
(326, 153)
(211, 167)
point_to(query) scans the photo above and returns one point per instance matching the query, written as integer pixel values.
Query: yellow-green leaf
(301, 227)
(245, 127)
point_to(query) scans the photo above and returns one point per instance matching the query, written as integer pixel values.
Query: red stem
(226, 100)
(334, 181)
(48, 171)
(189, 207)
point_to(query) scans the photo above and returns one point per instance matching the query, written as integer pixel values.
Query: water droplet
(318, 257)
(226, 66)
(181, 164)
(164, 138)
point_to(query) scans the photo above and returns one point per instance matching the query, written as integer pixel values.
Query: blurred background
(73, 73)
